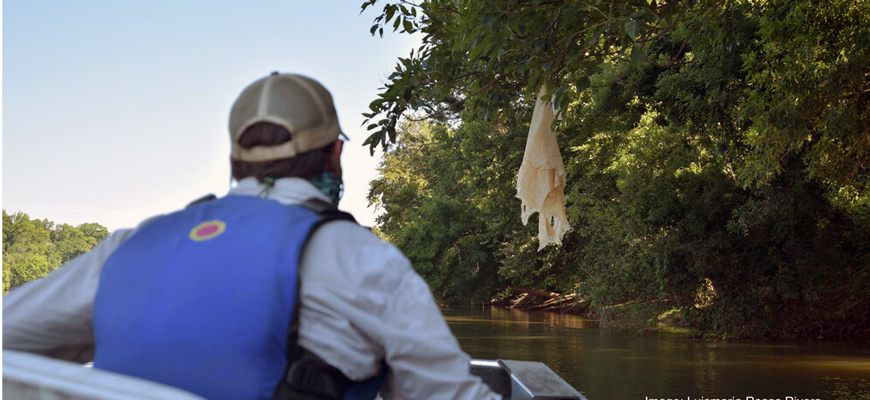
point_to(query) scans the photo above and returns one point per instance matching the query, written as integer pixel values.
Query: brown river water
(604, 364)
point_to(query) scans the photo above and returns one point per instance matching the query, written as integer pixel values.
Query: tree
(717, 152)
(805, 89)
(425, 182)
(26, 247)
(34, 248)
(481, 55)
(70, 241)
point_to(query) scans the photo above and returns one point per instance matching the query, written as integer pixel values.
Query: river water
(603, 364)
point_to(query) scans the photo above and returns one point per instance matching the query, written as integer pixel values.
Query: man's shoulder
(357, 248)
(353, 234)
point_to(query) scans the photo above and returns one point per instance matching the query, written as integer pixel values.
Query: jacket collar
(287, 191)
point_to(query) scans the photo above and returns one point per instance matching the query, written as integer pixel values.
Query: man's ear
(335, 157)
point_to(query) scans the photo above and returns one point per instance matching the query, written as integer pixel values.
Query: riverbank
(636, 318)
(620, 318)
(527, 299)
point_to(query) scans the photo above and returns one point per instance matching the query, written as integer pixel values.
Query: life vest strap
(309, 377)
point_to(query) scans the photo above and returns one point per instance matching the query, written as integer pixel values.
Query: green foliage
(443, 193)
(717, 156)
(33, 248)
(479, 55)
(808, 92)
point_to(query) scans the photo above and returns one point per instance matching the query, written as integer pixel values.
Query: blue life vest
(202, 299)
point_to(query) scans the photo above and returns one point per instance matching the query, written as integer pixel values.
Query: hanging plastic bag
(541, 180)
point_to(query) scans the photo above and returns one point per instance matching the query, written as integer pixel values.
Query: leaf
(631, 30)
(583, 83)
(392, 133)
(390, 11)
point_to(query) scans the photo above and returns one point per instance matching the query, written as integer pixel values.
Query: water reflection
(606, 365)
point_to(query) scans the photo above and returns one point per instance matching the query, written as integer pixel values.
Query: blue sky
(116, 110)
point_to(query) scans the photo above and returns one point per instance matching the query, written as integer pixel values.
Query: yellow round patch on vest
(207, 230)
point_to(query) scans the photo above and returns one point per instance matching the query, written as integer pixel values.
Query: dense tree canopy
(32, 247)
(718, 156)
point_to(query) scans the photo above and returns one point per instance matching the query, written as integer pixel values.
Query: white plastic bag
(541, 180)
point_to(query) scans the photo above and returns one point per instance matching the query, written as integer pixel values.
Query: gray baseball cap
(296, 102)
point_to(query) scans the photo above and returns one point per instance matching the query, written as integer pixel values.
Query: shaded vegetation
(718, 157)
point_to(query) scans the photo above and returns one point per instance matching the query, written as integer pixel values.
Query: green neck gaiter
(330, 184)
